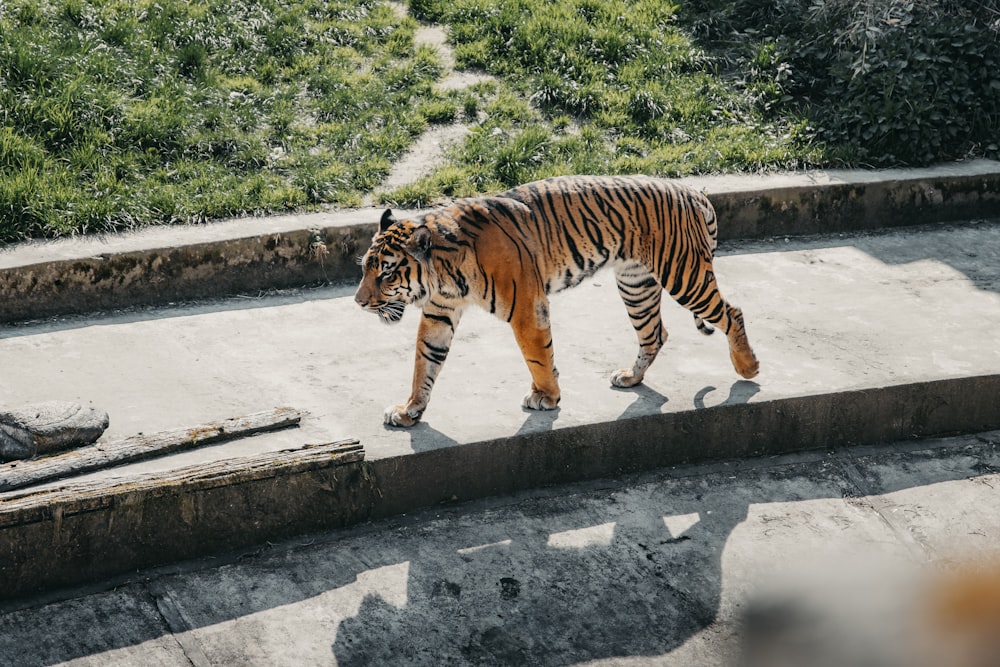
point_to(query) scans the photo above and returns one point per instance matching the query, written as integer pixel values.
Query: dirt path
(427, 152)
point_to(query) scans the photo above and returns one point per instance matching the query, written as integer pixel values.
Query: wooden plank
(88, 529)
(19, 474)
(28, 505)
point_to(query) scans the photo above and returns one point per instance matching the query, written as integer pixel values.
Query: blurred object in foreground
(877, 613)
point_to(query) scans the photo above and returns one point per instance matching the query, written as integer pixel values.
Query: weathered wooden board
(19, 474)
(86, 530)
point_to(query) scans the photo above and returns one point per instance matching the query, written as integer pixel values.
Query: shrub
(882, 82)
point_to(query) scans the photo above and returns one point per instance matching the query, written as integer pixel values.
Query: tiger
(507, 252)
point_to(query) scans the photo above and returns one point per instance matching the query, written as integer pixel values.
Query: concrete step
(835, 555)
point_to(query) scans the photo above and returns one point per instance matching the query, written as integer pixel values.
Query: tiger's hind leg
(701, 296)
(703, 326)
(740, 353)
(641, 293)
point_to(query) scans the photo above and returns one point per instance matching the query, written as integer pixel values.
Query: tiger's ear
(386, 221)
(420, 243)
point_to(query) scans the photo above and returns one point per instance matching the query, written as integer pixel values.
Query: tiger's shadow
(424, 437)
(648, 401)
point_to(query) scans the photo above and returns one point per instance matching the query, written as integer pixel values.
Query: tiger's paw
(625, 377)
(396, 415)
(745, 363)
(536, 400)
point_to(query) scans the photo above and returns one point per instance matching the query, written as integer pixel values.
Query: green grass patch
(698, 86)
(598, 86)
(118, 113)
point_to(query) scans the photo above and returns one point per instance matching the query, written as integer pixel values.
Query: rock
(50, 426)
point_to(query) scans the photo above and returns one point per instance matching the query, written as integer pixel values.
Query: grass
(121, 113)
(118, 113)
(598, 86)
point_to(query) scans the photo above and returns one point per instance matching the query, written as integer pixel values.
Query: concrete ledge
(82, 532)
(853, 206)
(179, 273)
(244, 257)
(825, 421)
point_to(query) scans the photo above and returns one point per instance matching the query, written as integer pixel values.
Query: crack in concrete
(173, 619)
(870, 499)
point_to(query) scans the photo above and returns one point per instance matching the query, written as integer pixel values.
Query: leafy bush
(882, 82)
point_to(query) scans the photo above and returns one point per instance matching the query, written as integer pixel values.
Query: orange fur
(508, 252)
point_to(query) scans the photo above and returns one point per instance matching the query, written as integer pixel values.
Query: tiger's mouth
(390, 312)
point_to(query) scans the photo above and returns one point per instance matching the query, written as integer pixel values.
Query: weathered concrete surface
(160, 266)
(861, 338)
(825, 315)
(654, 569)
(94, 528)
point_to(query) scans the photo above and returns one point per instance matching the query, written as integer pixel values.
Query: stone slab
(48, 426)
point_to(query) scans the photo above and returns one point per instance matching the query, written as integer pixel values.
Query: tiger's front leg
(534, 337)
(434, 335)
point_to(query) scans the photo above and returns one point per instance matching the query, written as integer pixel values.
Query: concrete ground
(824, 315)
(654, 569)
(650, 569)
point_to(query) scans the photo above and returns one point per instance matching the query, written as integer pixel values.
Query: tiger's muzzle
(389, 312)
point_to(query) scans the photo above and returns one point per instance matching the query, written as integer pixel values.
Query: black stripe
(440, 318)
(513, 300)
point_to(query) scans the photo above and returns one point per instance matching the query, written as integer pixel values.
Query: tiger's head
(396, 268)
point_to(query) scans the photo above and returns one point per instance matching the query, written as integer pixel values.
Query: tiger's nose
(360, 299)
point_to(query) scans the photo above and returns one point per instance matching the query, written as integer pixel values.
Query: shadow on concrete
(647, 401)
(741, 391)
(971, 248)
(628, 570)
(424, 438)
(537, 421)
(271, 299)
(565, 594)
(607, 569)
